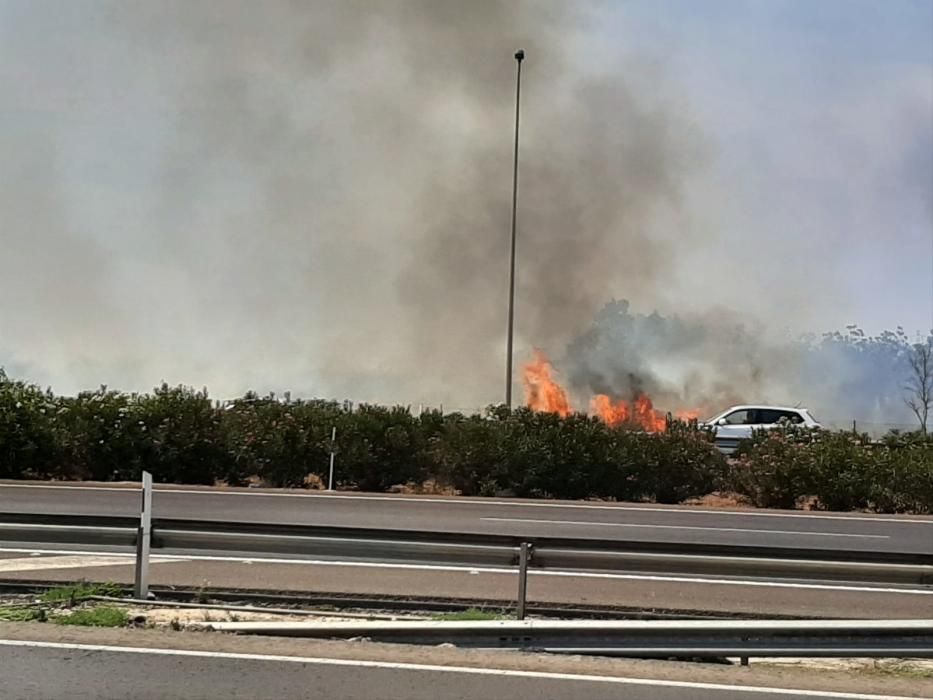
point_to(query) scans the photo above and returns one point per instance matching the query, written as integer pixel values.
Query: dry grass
(427, 488)
(720, 500)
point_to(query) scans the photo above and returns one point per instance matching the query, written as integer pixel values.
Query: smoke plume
(316, 196)
(706, 362)
(321, 192)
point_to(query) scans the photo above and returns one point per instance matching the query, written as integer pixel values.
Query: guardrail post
(143, 540)
(524, 555)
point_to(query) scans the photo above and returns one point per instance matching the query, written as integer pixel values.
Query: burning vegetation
(544, 393)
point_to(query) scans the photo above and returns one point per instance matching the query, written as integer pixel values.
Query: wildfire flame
(544, 393)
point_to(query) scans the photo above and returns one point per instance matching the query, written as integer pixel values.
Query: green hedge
(28, 443)
(836, 471)
(528, 454)
(181, 436)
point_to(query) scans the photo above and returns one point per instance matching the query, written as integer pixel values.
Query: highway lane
(67, 671)
(845, 532)
(627, 589)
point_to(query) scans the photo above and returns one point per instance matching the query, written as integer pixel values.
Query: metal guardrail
(629, 638)
(837, 638)
(471, 549)
(475, 548)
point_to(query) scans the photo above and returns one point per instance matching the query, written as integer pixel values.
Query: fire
(602, 406)
(688, 415)
(640, 412)
(543, 393)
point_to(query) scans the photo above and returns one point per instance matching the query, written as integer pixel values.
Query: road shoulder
(756, 675)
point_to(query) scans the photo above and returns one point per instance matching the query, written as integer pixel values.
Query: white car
(739, 422)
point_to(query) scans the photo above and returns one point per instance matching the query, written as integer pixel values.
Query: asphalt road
(844, 532)
(76, 672)
(302, 574)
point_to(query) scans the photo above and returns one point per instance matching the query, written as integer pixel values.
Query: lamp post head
(519, 55)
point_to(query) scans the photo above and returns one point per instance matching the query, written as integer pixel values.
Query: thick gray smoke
(315, 196)
(699, 361)
(328, 191)
(707, 362)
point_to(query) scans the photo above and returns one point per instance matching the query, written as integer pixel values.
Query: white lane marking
(684, 527)
(171, 558)
(36, 563)
(483, 502)
(33, 563)
(430, 668)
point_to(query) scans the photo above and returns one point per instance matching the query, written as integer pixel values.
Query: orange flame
(640, 412)
(688, 414)
(612, 414)
(543, 393)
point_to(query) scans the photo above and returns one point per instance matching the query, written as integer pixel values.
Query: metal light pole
(519, 57)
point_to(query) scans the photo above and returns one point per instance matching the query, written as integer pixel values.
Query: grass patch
(22, 614)
(469, 615)
(79, 591)
(900, 669)
(101, 616)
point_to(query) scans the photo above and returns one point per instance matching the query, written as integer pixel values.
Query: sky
(822, 118)
(313, 196)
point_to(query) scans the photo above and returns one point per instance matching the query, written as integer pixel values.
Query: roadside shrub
(537, 454)
(29, 447)
(778, 469)
(468, 452)
(674, 466)
(836, 471)
(102, 436)
(380, 447)
(281, 442)
(529, 454)
(524, 453)
(584, 453)
(902, 478)
(185, 442)
(661, 467)
(180, 435)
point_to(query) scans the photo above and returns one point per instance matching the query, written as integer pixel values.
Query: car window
(770, 416)
(742, 417)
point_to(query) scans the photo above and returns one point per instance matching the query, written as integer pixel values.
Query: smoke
(698, 361)
(711, 360)
(317, 195)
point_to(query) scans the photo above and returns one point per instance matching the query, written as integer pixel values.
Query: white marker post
(524, 557)
(333, 447)
(143, 540)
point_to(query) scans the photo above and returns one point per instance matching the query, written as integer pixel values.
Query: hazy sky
(314, 195)
(822, 118)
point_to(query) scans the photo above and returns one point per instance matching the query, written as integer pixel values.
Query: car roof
(746, 407)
